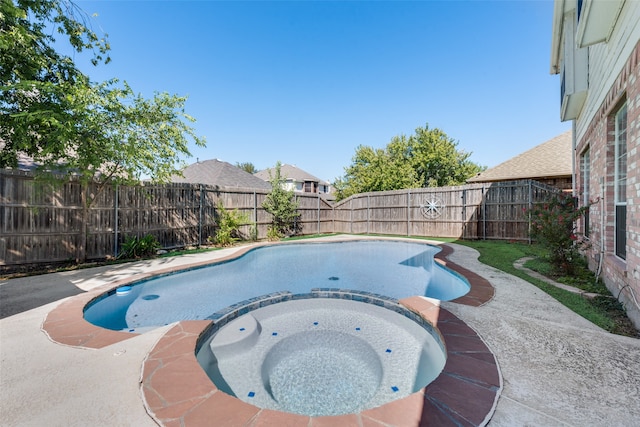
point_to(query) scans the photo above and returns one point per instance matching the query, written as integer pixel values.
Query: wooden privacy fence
(41, 223)
(474, 211)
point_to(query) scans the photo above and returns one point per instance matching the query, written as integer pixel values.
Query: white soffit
(597, 19)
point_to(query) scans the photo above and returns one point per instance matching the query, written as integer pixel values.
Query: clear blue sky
(307, 82)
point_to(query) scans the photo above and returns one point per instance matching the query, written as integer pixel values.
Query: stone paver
(176, 388)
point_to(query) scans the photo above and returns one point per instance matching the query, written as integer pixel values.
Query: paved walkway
(519, 264)
(557, 368)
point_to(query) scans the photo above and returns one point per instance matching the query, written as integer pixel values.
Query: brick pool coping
(177, 391)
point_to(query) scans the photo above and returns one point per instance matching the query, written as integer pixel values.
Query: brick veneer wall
(621, 276)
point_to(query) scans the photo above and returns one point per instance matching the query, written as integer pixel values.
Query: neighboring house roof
(290, 172)
(222, 174)
(547, 160)
(26, 163)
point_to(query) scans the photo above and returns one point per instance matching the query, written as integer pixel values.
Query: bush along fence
(40, 223)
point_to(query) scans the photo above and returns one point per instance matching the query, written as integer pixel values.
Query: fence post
(200, 218)
(351, 216)
(368, 210)
(530, 204)
(484, 213)
(318, 213)
(115, 214)
(408, 212)
(333, 217)
(464, 213)
(295, 221)
(255, 208)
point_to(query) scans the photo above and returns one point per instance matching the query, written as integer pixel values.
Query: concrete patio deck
(557, 368)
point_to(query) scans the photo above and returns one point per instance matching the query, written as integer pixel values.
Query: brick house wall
(597, 137)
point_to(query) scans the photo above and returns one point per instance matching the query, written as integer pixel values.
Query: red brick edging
(178, 392)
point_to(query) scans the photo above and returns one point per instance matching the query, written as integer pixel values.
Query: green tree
(247, 167)
(67, 124)
(282, 206)
(427, 159)
(375, 170)
(35, 79)
(437, 161)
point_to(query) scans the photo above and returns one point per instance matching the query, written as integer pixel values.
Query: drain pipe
(602, 246)
(633, 295)
(574, 184)
(602, 234)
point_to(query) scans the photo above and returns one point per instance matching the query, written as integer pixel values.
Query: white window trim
(618, 200)
(586, 184)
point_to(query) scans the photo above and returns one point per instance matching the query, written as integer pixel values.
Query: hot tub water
(321, 356)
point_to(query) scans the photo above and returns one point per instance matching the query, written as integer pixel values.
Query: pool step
(236, 337)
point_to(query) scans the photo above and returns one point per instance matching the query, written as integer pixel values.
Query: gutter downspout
(603, 206)
(574, 144)
(556, 36)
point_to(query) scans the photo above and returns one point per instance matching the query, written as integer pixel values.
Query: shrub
(229, 223)
(553, 226)
(282, 206)
(253, 232)
(135, 247)
(273, 233)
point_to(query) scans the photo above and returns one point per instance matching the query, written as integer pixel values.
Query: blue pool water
(392, 268)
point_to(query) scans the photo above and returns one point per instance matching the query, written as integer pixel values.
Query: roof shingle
(222, 174)
(547, 160)
(290, 172)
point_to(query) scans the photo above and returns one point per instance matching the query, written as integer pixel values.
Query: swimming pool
(329, 352)
(397, 269)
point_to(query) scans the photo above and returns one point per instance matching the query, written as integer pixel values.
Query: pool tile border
(171, 365)
(481, 291)
(222, 317)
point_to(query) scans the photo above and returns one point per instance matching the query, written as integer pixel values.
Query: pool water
(392, 268)
(320, 373)
(321, 356)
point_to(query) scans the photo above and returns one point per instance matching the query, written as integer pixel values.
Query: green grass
(309, 236)
(581, 278)
(189, 251)
(436, 239)
(604, 311)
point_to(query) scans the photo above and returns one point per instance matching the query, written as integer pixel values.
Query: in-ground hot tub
(323, 356)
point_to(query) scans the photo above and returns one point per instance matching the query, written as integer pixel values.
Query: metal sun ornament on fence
(432, 208)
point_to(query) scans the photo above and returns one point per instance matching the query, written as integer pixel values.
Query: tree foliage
(35, 79)
(281, 204)
(427, 159)
(553, 226)
(375, 170)
(247, 167)
(53, 113)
